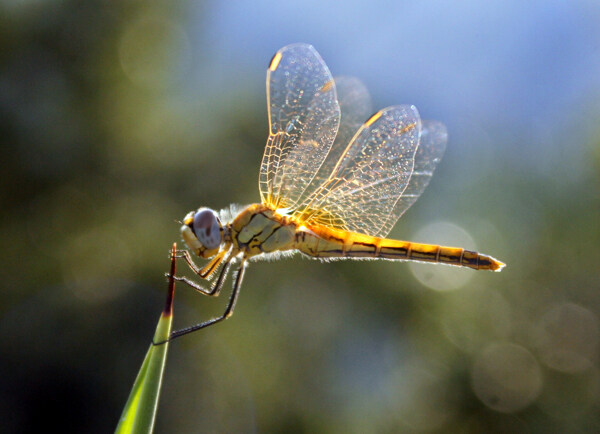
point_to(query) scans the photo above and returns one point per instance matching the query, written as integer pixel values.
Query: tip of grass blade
(168, 310)
(139, 412)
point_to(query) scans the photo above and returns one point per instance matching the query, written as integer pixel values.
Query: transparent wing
(432, 145)
(362, 194)
(304, 117)
(355, 107)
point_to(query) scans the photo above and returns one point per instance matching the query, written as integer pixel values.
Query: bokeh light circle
(506, 377)
(567, 338)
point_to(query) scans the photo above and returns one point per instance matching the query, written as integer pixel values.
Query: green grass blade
(139, 413)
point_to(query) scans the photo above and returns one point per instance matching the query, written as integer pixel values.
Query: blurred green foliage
(105, 146)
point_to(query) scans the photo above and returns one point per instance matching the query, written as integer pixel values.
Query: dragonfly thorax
(202, 231)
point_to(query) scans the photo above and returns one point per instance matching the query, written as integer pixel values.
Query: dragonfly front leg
(215, 288)
(228, 311)
(208, 269)
(223, 258)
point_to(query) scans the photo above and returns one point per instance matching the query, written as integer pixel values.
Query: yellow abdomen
(324, 242)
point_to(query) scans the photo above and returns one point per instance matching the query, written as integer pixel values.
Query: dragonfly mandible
(332, 185)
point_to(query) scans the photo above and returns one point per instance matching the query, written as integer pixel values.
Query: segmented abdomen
(327, 243)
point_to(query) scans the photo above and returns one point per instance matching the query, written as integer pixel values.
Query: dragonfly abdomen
(402, 250)
(338, 244)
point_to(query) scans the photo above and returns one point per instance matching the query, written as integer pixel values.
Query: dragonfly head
(202, 232)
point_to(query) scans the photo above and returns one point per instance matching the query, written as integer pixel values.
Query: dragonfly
(332, 185)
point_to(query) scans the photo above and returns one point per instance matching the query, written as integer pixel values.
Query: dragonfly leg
(228, 311)
(206, 271)
(215, 288)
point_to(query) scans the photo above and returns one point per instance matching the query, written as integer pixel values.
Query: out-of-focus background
(117, 118)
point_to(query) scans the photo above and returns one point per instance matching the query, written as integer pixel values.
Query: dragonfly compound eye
(207, 228)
